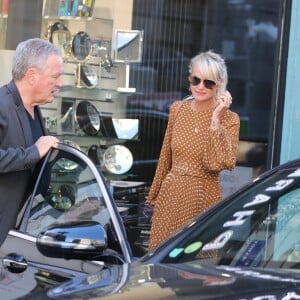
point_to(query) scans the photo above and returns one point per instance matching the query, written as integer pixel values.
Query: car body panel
(15, 243)
(177, 281)
(21, 242)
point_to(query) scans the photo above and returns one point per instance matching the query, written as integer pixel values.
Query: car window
(259, 228)
(67, 191)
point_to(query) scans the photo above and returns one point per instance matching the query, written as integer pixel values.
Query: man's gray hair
(32, 53)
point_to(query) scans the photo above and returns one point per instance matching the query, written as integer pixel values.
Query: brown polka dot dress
(186, 180)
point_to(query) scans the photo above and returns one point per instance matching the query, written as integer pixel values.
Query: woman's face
(203, 89)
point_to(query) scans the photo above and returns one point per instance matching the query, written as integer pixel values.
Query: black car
(189, 280)
(70, 226)
(70, 196)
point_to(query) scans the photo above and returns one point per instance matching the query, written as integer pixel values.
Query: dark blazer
(18, 155)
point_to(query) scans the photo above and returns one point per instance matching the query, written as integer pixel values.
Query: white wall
(6, 63)
(119, 11)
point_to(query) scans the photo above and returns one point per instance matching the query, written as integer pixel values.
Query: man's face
(49, 81)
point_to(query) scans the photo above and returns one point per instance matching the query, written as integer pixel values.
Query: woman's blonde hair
(212, 66)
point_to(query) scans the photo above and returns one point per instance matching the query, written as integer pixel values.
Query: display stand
(127, 89)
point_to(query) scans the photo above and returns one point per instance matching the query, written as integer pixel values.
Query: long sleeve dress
(186, 181)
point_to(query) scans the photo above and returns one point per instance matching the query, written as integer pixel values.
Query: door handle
(15, 263)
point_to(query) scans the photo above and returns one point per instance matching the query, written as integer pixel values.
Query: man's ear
(31, 76)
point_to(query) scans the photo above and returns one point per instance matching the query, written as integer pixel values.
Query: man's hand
(44, 143)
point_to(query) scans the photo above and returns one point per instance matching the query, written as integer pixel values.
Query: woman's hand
(223, 103)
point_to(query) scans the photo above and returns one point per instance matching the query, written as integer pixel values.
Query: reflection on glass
(128, 45)
(126, 128)
(88, 77)
(66, 164)
(94, 117)
(66, 117)
(81, 49)
(60, 36)
(81, 45)
(88, 118)
(106, 61)
(86, 200)
(117, 159)
(63, 199)
(128, 49)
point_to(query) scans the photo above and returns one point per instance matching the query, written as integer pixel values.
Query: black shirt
(36, 126)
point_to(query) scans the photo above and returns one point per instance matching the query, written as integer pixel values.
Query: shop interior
(118, 82)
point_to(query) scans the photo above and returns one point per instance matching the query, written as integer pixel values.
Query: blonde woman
(201, 140)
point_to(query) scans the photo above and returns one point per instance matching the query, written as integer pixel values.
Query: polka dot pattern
(186, 182)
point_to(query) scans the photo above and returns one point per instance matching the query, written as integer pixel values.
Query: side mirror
(73, 240)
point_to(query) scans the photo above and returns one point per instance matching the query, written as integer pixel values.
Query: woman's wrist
(215, 124)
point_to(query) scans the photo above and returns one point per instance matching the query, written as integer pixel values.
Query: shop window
(245, 32)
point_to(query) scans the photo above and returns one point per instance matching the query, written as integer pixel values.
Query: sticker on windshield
(258, 199)
(252, 255)
(176, 252)
(295, 173)
(219, 241)
(193, 247)
(280, 185)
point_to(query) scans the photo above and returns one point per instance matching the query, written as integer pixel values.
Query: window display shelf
(86, 45)
(97, 28)
(80, 8)
(86, 113)
(95, 94)
(76, 18)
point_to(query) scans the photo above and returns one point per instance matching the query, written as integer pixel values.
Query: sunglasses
(194, 80)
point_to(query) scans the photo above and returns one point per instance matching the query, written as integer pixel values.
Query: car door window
(259, 228)
(67, 191)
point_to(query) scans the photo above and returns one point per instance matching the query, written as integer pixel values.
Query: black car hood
(178, 281)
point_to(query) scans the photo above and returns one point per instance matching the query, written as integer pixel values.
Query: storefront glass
(244, 31)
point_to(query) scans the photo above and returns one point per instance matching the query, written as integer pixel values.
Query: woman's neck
(202, 105)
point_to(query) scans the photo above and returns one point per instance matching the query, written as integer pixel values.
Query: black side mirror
(73, 240)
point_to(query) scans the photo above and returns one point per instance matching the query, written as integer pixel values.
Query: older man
(36, 75)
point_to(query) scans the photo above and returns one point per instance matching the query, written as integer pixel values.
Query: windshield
(258, 228)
